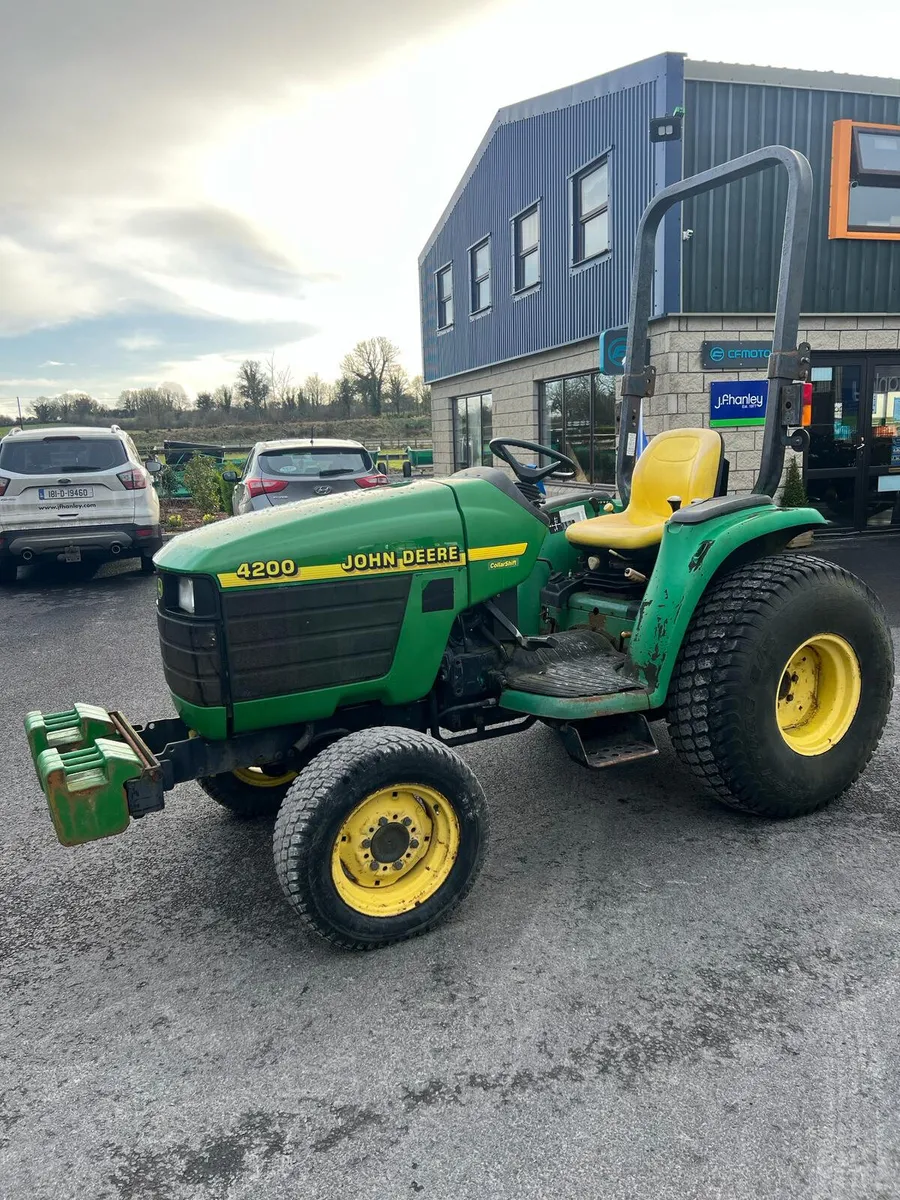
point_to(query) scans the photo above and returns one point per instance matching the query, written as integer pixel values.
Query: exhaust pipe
(27, 555)
(115, 548)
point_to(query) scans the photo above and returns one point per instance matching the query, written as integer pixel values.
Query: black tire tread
(704, 727)
(241, 798)
(295, 826)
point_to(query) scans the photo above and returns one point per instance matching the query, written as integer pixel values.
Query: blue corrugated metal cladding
(731, 262)
(530, 160)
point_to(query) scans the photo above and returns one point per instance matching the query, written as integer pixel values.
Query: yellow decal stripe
(334, 571)
(480, 553)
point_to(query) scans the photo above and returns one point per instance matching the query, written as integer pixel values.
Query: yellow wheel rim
(256, 777)
(818, 694)
(395, 850)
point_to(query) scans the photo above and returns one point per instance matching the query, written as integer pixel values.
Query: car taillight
(806, 410)
(133, 481)
(4, 484)
(375, 480)
(258, 487)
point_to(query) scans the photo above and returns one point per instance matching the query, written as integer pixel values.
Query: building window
(472, 431)
(527, 248)
(865, 181)
(480, 272)
(591, 212)
(578, 417)
(445, 297)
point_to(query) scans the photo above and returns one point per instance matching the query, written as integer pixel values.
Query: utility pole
(19, 402)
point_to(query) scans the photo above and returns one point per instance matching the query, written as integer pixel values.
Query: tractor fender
(690, 556)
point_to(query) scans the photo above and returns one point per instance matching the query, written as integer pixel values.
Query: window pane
(604, 424)
(529, 230)
(595, 235)
(578, 423)
(529, 269)
(594, 189)
(461, 429)
(445, 284)
(552, 414)
(482, 296)
(473, 446)
(445, 313)
(487, 425)
(875, 208)
(879, 151)
(481, 263)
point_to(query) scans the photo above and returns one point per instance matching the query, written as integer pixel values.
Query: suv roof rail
(116, 428)
(15, 429)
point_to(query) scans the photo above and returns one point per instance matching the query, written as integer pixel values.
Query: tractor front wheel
(783, 685)
(380, 837)
(251, 791)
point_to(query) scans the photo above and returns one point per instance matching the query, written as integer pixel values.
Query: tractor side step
(606, 741)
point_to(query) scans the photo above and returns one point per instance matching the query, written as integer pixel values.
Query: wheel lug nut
(414, 843)
(790, 696)
(366, 843)
(398, 865)
(382, 820)
(373, 865)
(407, 821)
(795, 678)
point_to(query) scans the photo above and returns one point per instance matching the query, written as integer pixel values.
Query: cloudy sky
(184, 183)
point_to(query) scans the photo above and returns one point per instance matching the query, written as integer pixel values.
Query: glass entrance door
(853, 463)
(836, 440)
(881, 486)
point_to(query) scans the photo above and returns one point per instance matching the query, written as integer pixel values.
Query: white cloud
(52, 362)
(138, 341)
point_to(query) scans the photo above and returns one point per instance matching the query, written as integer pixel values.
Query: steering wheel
(526, 474)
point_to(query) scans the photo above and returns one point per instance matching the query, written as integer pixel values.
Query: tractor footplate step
(605, 741)
(581, 662)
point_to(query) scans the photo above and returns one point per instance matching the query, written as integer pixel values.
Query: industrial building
(531, 260)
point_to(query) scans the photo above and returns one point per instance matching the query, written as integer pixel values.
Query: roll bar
(787, 363)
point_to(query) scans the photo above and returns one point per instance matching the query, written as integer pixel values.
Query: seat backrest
(679, 462)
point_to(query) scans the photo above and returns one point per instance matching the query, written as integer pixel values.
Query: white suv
(73, 494)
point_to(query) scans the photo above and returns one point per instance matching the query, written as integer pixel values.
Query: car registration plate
(72, 554)
(65, 493)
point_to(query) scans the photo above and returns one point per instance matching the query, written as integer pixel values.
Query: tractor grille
(192, 660)
(252, 643)
(302, 637)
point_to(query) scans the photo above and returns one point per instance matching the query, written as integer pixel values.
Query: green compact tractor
(325, 659)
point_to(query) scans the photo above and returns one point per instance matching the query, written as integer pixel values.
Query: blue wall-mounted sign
(734, 356)
(613, 345)
(733, 403)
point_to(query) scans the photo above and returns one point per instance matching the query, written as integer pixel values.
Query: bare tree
(369, 363)
(223, 395)
(421, 394)
(397, 389)
(252, 384)
(280, 380)
(316, 392)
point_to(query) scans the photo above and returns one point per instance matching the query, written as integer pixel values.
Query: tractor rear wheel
(783, 685)
(249, 792)
(380, 837)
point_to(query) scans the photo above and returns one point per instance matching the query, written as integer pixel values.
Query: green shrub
(208, 518)
(794, 494)
(201, 478)
(225, 491)
(176, 520)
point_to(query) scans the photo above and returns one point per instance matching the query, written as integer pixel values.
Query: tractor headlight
(186, 595)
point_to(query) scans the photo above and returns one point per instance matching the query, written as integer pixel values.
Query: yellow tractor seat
(681, 462)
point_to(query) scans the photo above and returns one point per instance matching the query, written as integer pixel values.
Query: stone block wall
(682, 386)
